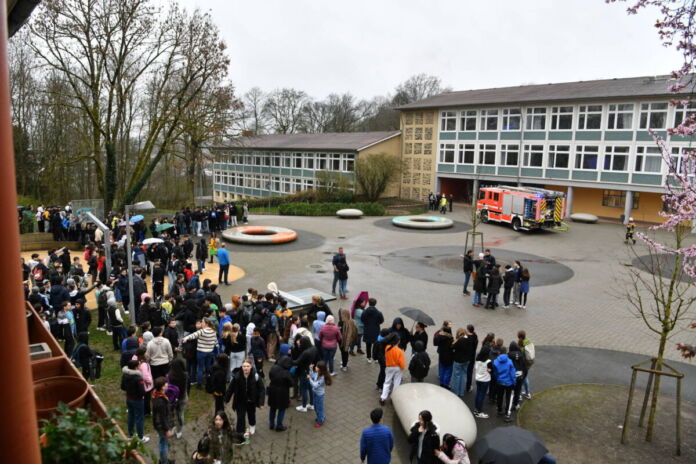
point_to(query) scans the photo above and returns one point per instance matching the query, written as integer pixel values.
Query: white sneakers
(481, 415)
(301, 409)
(252, 429)
(145, 439)
(310, 407)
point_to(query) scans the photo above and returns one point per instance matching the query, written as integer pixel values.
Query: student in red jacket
(330, 336)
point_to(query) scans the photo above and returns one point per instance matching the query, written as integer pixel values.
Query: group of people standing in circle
(487, 279)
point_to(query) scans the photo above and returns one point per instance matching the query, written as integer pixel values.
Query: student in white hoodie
(159, 353)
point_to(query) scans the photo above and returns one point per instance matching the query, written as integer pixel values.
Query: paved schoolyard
(584, 309)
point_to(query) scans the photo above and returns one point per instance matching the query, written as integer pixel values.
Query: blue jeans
(445, 373)
(136, 416)
(329, 354)
(477, 297)
(272, 417)
(459, 375)
(163, 447)
(342, 287)
(205, 362)
(306, 390)
(467, 276)
(201, 264)
(525, 386)
(335, 280)
(481, 390)
(319, 408)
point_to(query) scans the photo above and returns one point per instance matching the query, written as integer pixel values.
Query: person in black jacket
(158, 273)
(517, 357)
(420, 362)
(403, 333)
(249, 393)
(161, 418)
(201, 254)
(419, 335)
(468, 261)
(443, 341)
(462, 350)
(508, 282)
(308, 355)
(218, 380)
(493, 288)
(83, 318)
(371, 318)
(424, 439)
(279, 392)
(385, 338)
(132, 384)
(472, 359)
(480, 281)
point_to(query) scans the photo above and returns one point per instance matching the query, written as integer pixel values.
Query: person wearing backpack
(102, 305)
(527, 347)
(82, 356)
(420, 362)
(216, 380)
(132, 384)
(249, 393)
(517, 358)
(159, 353)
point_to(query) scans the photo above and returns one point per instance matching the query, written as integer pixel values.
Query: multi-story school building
(280, 164)
(588, 139)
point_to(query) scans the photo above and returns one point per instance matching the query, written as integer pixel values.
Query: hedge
(328, 209)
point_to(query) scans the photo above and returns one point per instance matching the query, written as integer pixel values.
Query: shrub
(328, 209)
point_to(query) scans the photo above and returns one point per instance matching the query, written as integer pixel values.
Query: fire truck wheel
(516, 224)
(484, 216)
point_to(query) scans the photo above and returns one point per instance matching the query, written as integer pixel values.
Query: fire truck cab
(525, 208)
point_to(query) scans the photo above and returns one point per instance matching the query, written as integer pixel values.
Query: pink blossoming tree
(676, 27)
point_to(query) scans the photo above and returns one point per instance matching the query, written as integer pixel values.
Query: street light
(140, 206)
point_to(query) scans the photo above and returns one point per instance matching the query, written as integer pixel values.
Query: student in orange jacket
(395, 362)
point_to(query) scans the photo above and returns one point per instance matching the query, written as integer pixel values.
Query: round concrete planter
(422, 222)
(584, 217)
(349, 213)
(259, 235)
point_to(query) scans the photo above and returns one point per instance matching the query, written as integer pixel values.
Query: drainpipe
(18, 410)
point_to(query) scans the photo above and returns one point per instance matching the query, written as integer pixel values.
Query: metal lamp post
(140, 206)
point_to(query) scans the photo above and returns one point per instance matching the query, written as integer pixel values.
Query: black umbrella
(510, 445)
(417, 315)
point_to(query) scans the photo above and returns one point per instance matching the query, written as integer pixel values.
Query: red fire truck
(524, 207)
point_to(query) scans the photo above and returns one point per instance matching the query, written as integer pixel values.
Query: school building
(281, 164)
(589, 139)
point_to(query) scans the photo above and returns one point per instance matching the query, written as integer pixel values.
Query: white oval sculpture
(450, 414)
(584, 217)
(349, 213)
(422, 222)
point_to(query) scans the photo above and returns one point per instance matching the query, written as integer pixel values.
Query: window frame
(552, 153)
(509, 114)
(446, 117)
(505, 151)
(444, 149)
(489, 114)
(647, 109)
(610, 156)
(527, 152)
(584, 115)
(582, 153)
(615, 113)
(642, 154)
(484, 150)
(557, 114)
(462, 151)
(534, 113)
(684, 111)
(465, 117)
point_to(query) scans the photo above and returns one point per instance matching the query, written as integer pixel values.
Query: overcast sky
(367, 47)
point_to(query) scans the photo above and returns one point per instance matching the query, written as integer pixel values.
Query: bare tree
(417, 88)
(284, 110)
(315, 117)
(373, 173)
(253, 118)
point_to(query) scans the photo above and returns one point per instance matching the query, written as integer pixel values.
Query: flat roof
(647, 86)
(339, 141)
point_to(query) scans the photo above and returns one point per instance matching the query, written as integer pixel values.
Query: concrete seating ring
(422, 222)
(584, 217)
(349, 213)
(259, 235)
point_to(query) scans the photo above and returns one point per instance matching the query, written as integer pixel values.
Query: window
(586, 156)
(533, 156)
(509, 155)
(489, 120)
(276, 160)
(468, 120)
(466, 153)
(648, 159)
(620, 117)
(616, 159)
(559, 156)
(562, 118)
(617, 199)
(590, 117)
(297, 160)
(287, 160)
(682, 162)
(335, 162)
(653, 115)
(511, 119)
(321, 162)
(448, 121)
(487, 154)
(217, 178)
(349, 163)
(682, 112)
(447, 153)
(309, 161)
(536, 119)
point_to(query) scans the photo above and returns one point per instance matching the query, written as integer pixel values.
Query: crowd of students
(488, 279)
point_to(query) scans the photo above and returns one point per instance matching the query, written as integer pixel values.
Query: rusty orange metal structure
(20, 437)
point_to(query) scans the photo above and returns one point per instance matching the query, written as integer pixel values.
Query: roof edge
(396, 134)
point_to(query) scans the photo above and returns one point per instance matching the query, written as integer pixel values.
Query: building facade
(588, 139)
(282, 164)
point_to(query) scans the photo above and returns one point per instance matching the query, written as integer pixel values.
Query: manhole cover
(321, 272)
(341, 237)
(315, 266)
(327, 252)
(427, 256)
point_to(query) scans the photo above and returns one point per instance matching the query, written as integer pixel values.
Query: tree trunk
(110, 178)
